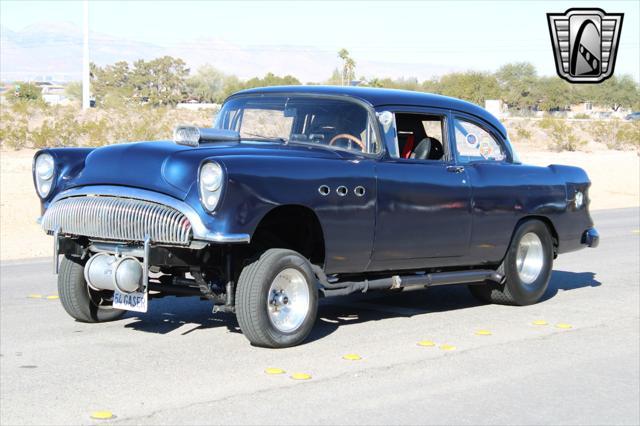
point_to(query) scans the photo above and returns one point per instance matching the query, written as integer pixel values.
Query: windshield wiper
(269, 138)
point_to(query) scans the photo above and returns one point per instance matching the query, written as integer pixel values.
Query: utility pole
(85, 59)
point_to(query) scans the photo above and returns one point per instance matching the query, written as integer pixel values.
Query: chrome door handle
(455, 169)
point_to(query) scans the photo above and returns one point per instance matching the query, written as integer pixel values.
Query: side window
(421, 136)
(473, 143)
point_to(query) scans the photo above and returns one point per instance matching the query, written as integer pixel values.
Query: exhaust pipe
(104, 271)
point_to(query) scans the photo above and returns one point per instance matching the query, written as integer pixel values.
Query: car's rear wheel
(78, 299)
(526, 267)
(277, 299)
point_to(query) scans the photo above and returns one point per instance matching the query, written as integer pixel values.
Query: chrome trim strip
(200, 231)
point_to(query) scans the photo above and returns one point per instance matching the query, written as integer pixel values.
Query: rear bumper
(590, 238)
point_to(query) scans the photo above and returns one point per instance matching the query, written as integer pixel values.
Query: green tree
(616, 92)
(472, 86)
(160, 81)
(555, 93)
(110, 85)
(271, 79)
(348, 66)
(518, 84)
(207, 85)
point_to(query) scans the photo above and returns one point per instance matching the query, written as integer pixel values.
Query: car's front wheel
(277, 299)
(78, 299)
(526, 267)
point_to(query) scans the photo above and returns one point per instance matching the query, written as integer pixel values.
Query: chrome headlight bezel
(44, 173)
(211, 178)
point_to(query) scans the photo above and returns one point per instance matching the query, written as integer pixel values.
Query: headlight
(44, 170)
(211, 177)
(579, 200)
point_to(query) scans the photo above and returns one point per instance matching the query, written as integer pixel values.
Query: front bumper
(590, 238)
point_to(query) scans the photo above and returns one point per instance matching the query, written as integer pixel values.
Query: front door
(424, 212)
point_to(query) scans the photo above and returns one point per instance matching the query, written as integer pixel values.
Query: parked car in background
(303, 192)
(633, 116)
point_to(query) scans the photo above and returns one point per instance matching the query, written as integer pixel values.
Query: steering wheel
(348, 137)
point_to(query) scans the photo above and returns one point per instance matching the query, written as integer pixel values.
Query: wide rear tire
(80, 302)
(277, 299)
(526, 267)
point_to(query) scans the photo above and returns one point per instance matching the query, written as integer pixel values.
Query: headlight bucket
(44, 168)
(210, 180)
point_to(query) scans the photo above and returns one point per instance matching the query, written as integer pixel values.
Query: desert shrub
(616, 134)
(605, 132)
(629, 135)
(24, 125)
(26, 92)
(13, 132)
(523, 134)
(560, 134)
(582, 116)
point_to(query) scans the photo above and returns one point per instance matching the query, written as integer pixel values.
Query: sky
(459, 35)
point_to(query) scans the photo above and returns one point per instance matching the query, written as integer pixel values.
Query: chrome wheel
(529, 258)
(288, 300)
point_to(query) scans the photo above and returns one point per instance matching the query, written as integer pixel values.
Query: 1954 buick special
(298, 193)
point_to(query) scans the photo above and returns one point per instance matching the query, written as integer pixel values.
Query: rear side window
(473, 143)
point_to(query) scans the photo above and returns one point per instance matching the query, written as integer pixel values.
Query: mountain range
(53, 51)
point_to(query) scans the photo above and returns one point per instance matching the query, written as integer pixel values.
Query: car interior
(421, 137)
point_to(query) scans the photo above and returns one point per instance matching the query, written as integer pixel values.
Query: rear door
(424, 211)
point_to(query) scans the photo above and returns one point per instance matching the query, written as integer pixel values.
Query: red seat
(408, 147)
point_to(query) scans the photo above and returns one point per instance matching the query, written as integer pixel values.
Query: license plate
(136, 301)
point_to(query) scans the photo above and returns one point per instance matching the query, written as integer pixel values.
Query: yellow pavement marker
(447, 347)
(352, 357)
(53, 297)
(301, 376)
(563, 325)
(35, 296)
(483, 333)
(426, 343)
(540, 322)
(273, 371)
(101, 415)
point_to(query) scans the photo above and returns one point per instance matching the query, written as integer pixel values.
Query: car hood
(168, 168)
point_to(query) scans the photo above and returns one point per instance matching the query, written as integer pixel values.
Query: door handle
(455, 169)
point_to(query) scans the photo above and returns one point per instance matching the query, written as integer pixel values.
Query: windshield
(341, 124)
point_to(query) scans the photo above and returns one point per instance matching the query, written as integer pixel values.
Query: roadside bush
(523, 134)
(25, 92)
(582, 116)
(629, 135)
(29, 125)
(616, 134)
(560, 134)
(13, 132)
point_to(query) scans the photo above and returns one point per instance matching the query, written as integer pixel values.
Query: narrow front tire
(277, 299)
(81, 302)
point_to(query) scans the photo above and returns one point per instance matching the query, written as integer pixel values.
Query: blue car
(298, 193)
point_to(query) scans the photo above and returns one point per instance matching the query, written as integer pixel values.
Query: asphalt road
(179, 364)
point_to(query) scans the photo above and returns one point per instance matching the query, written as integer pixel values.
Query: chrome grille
(120, 219)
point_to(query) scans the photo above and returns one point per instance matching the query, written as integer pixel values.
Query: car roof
(378, 97)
